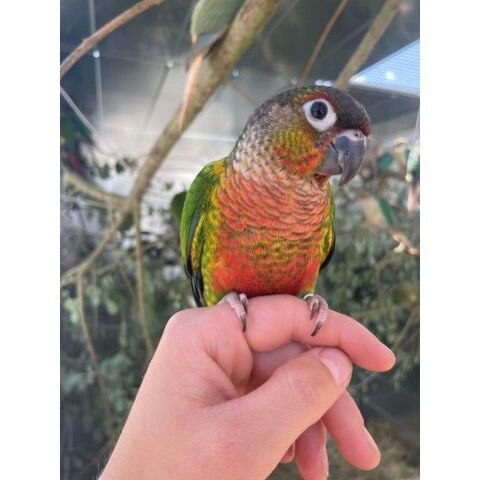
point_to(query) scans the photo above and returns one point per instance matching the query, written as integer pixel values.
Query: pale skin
(217, 403)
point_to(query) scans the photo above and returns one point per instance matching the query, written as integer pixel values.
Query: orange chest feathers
(265, 238)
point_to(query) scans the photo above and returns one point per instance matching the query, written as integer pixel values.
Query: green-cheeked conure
(261, 220)
(210, 21)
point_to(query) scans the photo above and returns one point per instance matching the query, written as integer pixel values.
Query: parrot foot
(318, 310)
(239, 304)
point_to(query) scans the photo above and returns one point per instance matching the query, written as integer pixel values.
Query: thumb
(296, 396)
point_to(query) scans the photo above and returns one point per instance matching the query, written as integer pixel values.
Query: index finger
(275, 320)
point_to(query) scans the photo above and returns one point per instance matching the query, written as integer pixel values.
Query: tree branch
(93, 356)
(101, 33)
(253, 15)
(371, 38)
(121, 270)
(320, 42)
(77, 183)
(142, 318)
(403, 242)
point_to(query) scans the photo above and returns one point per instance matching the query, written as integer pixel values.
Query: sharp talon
(318, 326)
(314, 311)
(318, 309)
(239, 304)
(243, 318)
(243, 298)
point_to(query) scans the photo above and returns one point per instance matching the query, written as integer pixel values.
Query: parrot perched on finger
(261, 220)
(210, 20)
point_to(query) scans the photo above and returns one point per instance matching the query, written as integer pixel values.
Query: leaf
(119, 167)
(127, 223)
(93, 294)
(71, 306)
(67, 131)
(387, 211)
(111, 306)
(405, 293)
(176, 206)
(104, 171)
(384, 162)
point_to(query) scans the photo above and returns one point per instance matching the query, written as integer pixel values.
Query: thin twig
(412, 319)
(95, 307)
(101, 33)
(365, 313)
(87, 124)
(253, 15)
(142, 316)
(119, 263)
(93, 460)
(93, 356)
(404, 243)
(378, 268)
(371, 38)
(321, 41)
(121, 270)
(76, 182)
(66, 199)
(114, 265)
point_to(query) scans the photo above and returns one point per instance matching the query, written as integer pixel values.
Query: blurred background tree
(113, 312)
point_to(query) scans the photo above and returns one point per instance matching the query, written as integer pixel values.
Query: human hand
(219, 403)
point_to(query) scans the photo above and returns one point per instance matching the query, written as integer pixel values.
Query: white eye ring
(320, 124)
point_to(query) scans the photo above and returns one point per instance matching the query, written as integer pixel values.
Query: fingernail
(291, 450)
(325, 464)
(289, 455)
(338, 365)
(392, 356)
(371, 441)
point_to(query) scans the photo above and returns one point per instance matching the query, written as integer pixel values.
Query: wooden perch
(77, 183)
(253, 15)
(101, 33)
(320, 42)
(371, 38)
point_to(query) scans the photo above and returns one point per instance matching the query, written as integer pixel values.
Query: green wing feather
(212, 16)
(192, 234)
(329, 239)
(210, 20)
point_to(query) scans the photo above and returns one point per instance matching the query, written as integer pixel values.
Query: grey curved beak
(344, 156)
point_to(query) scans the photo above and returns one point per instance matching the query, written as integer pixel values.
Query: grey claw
(239, 304)
(318, 310)
(244, 300)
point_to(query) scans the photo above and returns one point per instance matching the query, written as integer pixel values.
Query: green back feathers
(192, 236)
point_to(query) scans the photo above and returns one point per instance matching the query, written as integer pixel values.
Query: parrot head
(313, 132)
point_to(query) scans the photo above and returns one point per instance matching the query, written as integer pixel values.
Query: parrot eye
(319, 110)
(320, 114)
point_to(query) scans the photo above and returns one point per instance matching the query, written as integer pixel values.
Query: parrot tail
(192, 77)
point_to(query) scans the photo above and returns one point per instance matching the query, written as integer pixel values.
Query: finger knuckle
(303, 385)
(176, 325)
